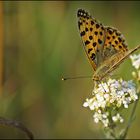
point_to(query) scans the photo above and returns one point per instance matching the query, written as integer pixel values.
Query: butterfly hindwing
(114, 43)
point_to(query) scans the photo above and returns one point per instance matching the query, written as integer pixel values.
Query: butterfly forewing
(93, 36)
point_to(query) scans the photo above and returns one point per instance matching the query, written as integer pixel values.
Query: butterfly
(105, 46)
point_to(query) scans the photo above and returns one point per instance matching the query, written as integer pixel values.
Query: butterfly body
(105, 46)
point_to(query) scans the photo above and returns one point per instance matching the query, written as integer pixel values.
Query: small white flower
(125, 105)
(104, 116)
(85, 104)
(106, 96)
(105, 122)
(99, 111)
(114, 118)
(99, 98)
(121, 120)
(96, 120)
(117, 118)
(135, 60)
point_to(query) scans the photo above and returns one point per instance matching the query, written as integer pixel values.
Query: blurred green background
(40, 43)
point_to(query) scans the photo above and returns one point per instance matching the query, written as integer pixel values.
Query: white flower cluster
(135, 61)
(109, 97)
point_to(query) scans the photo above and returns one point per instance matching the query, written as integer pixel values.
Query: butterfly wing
(114, 43)
(115, 48)
(93, 36)
(127, 54)
(115, 64)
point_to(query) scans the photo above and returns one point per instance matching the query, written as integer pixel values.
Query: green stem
(130, 121)
(113, 133)
(112, 127)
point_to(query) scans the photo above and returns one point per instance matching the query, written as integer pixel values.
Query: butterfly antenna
(77, 77)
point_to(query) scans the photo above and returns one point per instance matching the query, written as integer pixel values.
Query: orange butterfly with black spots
(105, 46)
